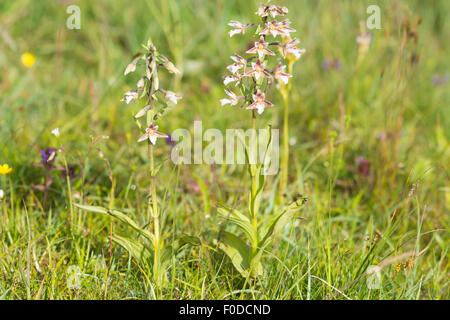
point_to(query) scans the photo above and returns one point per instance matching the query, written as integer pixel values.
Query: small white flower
(273, 10)
(232, 100)
(280, 75)
(152, 134)
(55, 132)
(238, 59)
(261, 48)
(2, 194)
(260, 102)
(233, 78)
(172, 97)
(233, 68)
(130, 96)
(238, 28)
(285, 29)
(258, 70)
(291, 48)
(277, 28)
(277, 11)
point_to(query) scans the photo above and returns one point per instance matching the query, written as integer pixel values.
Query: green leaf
(184, 240)
(277, 224)
(205, 194)
(240, 220)
(256, 267)
(237, 251)
(137, 250)
(121, 216)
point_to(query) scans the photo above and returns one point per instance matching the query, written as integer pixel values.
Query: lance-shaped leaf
(276, 225)
(184, 240)
(137, 250)
(240, 220)
(120, 216)
(237, 251)
(256, 267)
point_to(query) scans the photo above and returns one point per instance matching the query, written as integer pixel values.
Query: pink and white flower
(291, 48)
(232, 100)
(235, 77)
(280, 75)
(273, 10)
(238, 65)
(152, 134)
(262, 10)
(239, 60)
(130, 96)
(258, 70)
(285, 29)
(277, 28)
(172, 97)
(277, 11)
(273, 28)
(260, 47)
(260, 102)
(239, 28)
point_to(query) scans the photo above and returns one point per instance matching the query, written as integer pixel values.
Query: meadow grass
(382, 109)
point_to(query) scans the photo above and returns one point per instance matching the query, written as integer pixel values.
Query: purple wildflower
(169, 141)
(48, 155)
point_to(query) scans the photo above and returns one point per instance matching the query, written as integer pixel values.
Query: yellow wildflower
(5, 169)
(28, 59)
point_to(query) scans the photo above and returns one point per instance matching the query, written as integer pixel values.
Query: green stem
(254, 186)
(285, 155)
(69, 190)
(153, 209)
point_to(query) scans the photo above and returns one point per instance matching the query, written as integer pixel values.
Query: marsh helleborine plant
(248, 85)
(156, 99)
(256, 79)
(157, 256)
